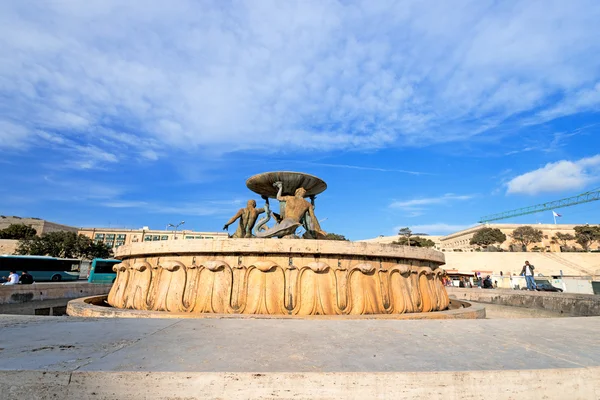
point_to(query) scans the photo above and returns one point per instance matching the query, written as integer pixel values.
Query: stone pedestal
(278, 277)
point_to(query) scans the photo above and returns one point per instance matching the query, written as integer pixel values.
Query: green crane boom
(586, 197)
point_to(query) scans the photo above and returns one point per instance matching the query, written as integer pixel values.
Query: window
(110, 236)
(189, 237)
(208, 237)
(104, 267)
(164, 237)
(119, 243)
(110, 243)
(155, 238)
(148, 238)
(121, 237)
(99, 236)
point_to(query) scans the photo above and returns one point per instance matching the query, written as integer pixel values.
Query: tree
(18, 231)
(563, 239)
(65, 245)
(586, 235)
(335, 236)
(488, 236)
(406, 233)
(416, 241)
(525, 235)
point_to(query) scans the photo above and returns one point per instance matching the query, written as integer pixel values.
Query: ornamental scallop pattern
(278, 285)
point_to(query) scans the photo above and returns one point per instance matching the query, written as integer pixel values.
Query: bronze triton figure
(247, 218)
(297, 212)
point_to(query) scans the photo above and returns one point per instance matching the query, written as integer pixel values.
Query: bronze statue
(247, 218)
(295, 212)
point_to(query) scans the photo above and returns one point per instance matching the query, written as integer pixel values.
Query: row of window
(153, 238)
(110, 236)
(111, 243)
(112, 240)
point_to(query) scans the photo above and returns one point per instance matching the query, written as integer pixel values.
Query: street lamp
(175, 226)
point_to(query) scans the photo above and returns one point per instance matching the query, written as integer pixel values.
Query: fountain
(263, 270)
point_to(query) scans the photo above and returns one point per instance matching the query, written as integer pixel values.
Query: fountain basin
(263, 183)
(278, 277)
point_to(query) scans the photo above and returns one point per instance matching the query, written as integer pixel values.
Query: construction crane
(586, 197)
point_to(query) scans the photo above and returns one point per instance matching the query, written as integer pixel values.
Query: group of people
(486, 283)
(14, 278)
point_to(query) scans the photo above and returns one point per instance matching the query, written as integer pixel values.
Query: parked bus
(42, 268)
(101, 271)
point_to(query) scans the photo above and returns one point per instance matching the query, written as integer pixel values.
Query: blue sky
(420, 114)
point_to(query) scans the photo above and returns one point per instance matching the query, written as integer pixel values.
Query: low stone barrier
(45, 298)
(97, 307)
(580, 305)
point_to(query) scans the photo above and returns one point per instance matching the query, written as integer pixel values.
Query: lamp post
(175, 226)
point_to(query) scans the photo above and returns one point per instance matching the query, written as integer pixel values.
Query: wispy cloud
(557, 177)
(436, 228)
(359, 167)
(444, 199)
(293, 76)
(197, 209)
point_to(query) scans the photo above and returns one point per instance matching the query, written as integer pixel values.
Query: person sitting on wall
(25, 278)
(487, 283)
(13, 278)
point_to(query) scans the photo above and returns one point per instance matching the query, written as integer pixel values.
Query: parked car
(547, 287)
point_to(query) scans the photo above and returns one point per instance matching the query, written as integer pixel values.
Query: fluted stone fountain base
(278, 277)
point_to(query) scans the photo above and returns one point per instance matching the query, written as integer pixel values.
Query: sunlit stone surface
(278, 277)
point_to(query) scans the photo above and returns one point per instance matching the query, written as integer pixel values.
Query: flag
(555, 214)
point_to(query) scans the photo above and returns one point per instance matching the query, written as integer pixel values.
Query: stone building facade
(40, 225)
(461, 241)
(116, 237)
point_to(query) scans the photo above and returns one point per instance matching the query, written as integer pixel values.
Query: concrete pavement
(141, 357)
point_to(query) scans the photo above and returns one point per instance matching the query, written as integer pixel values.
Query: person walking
(13, 278)
(527, 272)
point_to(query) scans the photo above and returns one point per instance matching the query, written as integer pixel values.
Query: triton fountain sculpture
(261, 270)
(294, 210)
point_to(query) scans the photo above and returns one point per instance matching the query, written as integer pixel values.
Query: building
(41, 226)
(464, 259)
(389, 239)
(461, 240)
(115, 237)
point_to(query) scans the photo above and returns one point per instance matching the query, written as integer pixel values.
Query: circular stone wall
(278, 277)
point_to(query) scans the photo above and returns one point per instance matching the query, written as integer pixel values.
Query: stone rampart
(572, 304)
(8, 246)
(545, 263)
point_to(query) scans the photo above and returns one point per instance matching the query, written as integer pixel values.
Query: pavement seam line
(529, 347)
(120, 348)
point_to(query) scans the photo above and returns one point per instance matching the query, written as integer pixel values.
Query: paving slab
(207, 354)
(67, 344)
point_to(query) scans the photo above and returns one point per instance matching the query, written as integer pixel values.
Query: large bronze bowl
(263, 183)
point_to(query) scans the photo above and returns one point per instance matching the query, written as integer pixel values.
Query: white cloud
(557, 177)
(12, 135)
(435, 229)
(201, 209)
(587, 99)
(443, 199)
(294, 75)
